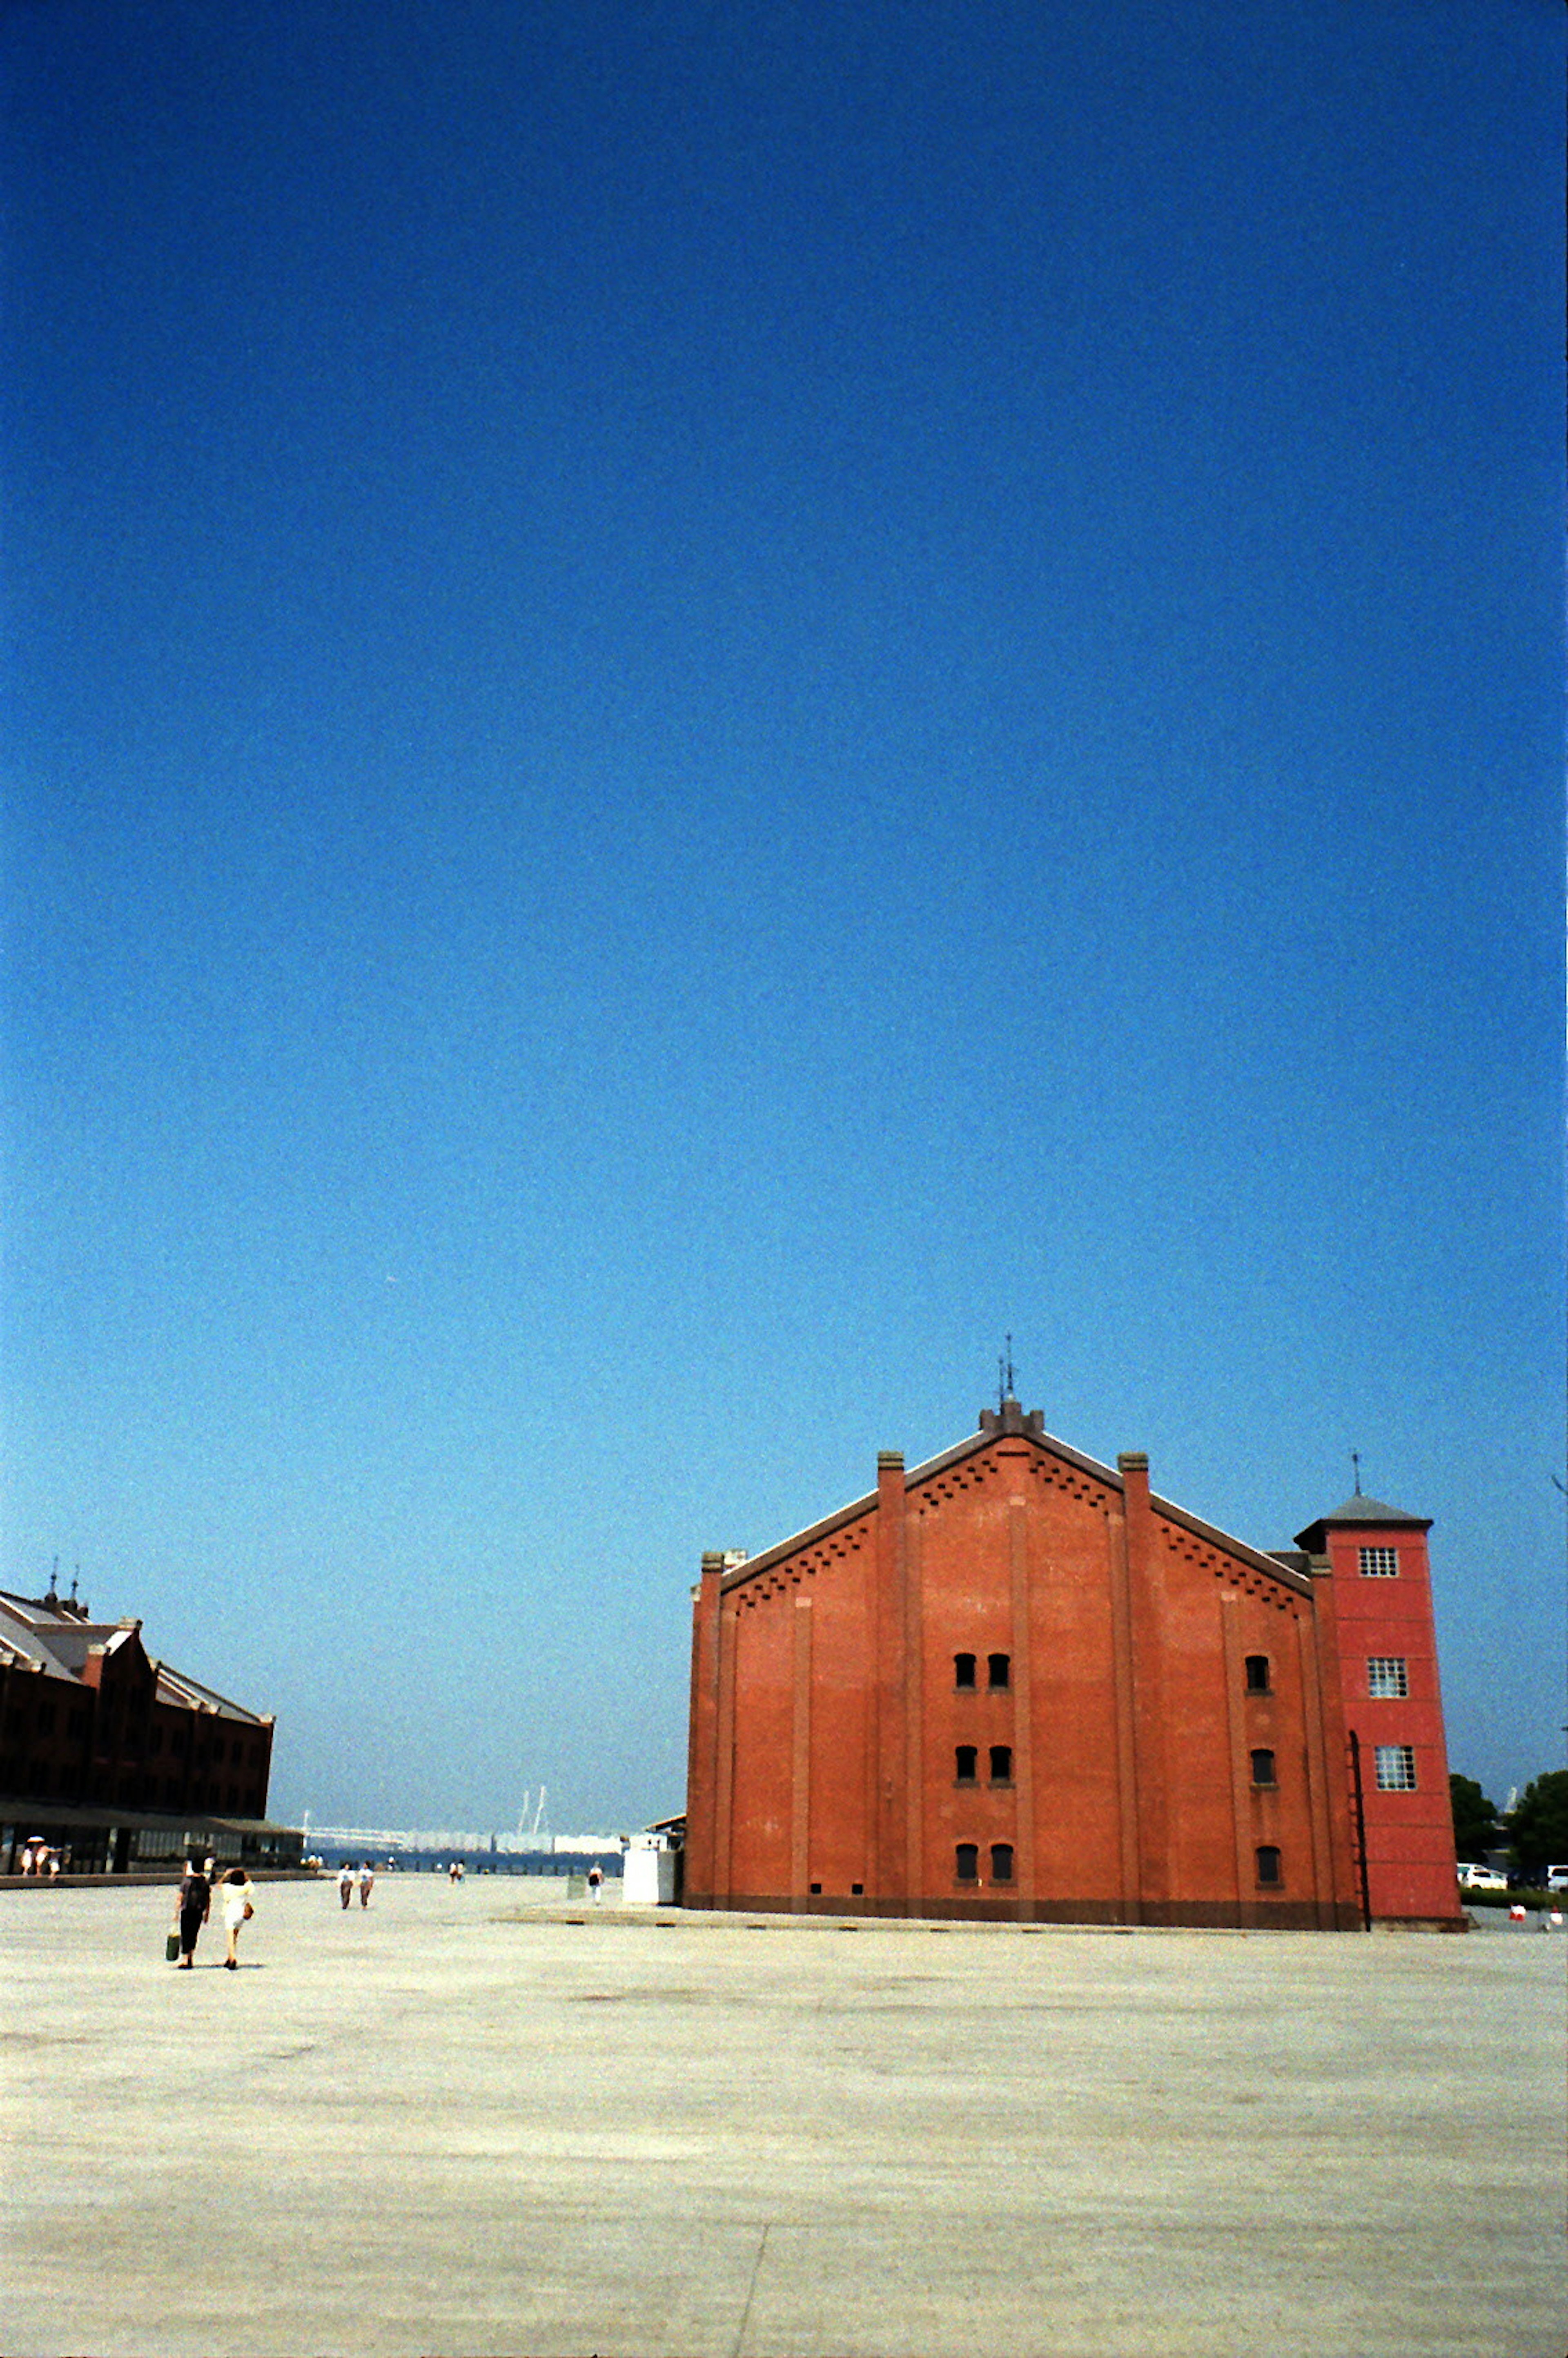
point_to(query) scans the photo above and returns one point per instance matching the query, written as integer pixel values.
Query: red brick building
(1015, 1684)
(115, 1758)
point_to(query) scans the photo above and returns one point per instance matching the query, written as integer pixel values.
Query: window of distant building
(1380, 1564)
(966, 1760)
(1269, 1873)
(1386, 1675)
(998, 1670)
(1002, 1862)
(1396, 1768)
(963, 1669)
(1262, 1768)
(967, 1862)
(1002, 1764)
(1257, 1673)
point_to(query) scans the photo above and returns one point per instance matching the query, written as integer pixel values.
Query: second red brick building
(1013, 1683)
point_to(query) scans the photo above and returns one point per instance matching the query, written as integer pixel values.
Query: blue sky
(706, 702)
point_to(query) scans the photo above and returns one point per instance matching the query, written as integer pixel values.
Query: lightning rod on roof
(1356, 1465)
(1005, 1378)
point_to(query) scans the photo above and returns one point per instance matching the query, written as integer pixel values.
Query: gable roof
(1361, 1514)
(35, 1635)
(1010, 1421)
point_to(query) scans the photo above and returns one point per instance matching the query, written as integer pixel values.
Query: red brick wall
(825, 1717)
(1410, 1835)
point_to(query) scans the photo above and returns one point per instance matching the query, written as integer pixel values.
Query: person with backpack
(191, 1911)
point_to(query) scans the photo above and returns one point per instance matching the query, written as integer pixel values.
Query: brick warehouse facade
(117, 1758)
(1015, 1684)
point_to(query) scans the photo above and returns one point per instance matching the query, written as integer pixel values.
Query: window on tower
(963, 1669)
(1396, 1768)
(1380, 1564)
(1387, 1674)
(965, 1763)
(999, 1669)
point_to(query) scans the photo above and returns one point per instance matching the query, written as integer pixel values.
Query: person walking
(239, 1907)
(191, 1911)
(595, 1882)
(345, 1883)
(367, 1882)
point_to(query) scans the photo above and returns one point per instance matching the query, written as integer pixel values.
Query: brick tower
(1372, 1560)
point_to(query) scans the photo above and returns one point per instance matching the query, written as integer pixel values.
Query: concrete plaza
(461, 2123)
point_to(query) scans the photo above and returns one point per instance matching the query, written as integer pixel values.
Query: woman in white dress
(239, 1906)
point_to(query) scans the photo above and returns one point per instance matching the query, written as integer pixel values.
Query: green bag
(171, 1948)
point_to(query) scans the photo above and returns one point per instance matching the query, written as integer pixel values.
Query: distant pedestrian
(595, 1882)
(191, 1911)
(345, 1883)
(367, 1883)
(30, 1857)
(53, 1864)
(455, 1872)
(239, 1907)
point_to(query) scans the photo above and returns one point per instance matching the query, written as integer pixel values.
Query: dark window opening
(857, 1890)
(1002, 1862)
(1269, 1865)
(1002, 1764)
(967, 1862)
(817, 1889)
(963, 1669)
(998, 1670)
(1262, 1768)
(964, 1762)
(1257, 1673)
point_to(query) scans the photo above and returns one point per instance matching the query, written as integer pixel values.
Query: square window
(1380, 1564)
(1396, 1768)
(1387, 1675)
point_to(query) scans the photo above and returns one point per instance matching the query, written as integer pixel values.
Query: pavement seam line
(751, 2292)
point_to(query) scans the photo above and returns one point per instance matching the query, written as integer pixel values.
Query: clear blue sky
(704, 702)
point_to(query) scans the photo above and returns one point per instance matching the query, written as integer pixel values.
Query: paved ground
(458, 2124)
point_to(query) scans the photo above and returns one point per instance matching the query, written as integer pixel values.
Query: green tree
(1474, 1819)
(1539, 1827)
